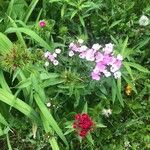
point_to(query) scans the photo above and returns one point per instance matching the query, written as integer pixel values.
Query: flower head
(42, 23)
(143, 21)
(106, 112)
(82, 124)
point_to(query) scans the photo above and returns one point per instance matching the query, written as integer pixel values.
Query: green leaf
(69, 131)
(63, 10)
(99, 125)
(114, 23)
(138, 67)
(119, 92)
(46, 75)
(48, 130)
(32, 34)
(46, 113)
(51, 82)
(82, 21)
(30, 10)
(89, 138)
(124, 46)
(10, 99)
(85, 108)
(2, 120)
(24, 84)
(5, 44)
(126, 65)
(114, 90)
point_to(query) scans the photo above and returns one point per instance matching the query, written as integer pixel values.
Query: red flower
(83, 124)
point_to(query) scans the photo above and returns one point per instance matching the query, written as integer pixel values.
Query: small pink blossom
(95, 76)
(99, 57)
(90, 55)
(51, 57)
(42, 23)
(100, 66)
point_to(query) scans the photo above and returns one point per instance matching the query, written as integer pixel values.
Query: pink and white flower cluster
(51, 57)
(106, 63)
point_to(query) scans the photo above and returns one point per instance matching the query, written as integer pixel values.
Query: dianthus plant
(106, 63)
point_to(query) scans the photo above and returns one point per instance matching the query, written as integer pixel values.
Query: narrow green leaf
(114, 23)
(114, 90)
(30, 10)
(85, 108)
(5, 44)
(63, 10)
(32, 34)
(124, 46)
(2, 120)
(82, 21)
(10, 99)
(128, 69)
(138, 67)
(119, 92)
(3, 82)
(50, 133)
(46, 113)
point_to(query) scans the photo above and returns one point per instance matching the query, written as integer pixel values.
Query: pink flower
(42, 23)
(51, 57)
(95, 76)
(99, 57)
(100, 66)
(90, 55)
(107, 59)
(82, 55)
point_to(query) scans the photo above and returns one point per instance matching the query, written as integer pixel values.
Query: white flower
(107, 112)
(55, 62)
(80, 41)
(46, 54)
(54, 54)
(119, 57)
(57, 51)
(117, 74)
(96, 46)
(108, 48)
(46, 64)
(107, 73)
(71, 53)
(83, 48)
(48, 104)
(113, 68)
(143, 21)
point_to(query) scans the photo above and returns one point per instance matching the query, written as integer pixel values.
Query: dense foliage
(74, 74)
